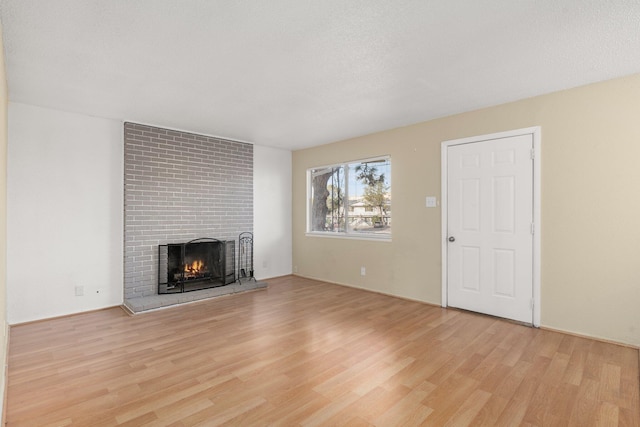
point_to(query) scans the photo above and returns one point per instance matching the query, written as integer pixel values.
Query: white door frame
(535, 132)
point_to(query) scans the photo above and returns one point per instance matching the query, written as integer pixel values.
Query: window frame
(347, 234)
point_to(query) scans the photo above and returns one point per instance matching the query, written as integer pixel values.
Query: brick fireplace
(179, 186)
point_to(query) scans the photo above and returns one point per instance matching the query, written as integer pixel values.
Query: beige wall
(590, 207)
(3, 221)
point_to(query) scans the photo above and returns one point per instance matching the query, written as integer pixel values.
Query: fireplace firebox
(197, 264)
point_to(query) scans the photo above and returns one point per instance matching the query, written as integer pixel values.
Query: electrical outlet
(363, 271)
(79, 291)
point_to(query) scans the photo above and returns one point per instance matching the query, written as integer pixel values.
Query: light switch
(431, 202)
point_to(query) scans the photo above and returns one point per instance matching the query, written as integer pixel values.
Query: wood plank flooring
(309, 353)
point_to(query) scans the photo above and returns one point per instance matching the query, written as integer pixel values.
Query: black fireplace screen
(198, 264)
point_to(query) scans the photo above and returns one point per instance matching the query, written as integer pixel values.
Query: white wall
(271, 212)
(64, 213)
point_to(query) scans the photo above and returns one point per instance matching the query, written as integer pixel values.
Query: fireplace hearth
(198, 264)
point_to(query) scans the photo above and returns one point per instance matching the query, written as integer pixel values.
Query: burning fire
(194, 268)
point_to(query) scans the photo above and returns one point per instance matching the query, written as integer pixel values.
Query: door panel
(490, 212)
(471, 268)
(470, 204)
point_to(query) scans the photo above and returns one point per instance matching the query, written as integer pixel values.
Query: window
(351, 199)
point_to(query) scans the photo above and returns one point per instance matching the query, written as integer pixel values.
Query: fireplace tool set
(245, 256)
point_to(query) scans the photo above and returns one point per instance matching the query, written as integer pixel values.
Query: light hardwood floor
(310, 353)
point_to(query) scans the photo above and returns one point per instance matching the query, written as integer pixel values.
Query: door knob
(452, 239)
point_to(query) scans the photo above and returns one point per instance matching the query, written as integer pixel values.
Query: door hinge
(531, 303)
(533, 153)
(533, 228)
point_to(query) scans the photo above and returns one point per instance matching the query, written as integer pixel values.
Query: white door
(490, 227)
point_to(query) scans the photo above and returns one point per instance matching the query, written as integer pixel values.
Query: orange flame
(194, 267)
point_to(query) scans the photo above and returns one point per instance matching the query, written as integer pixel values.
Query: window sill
(350, 236)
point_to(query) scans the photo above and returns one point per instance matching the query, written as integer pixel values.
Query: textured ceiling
(298, 73)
